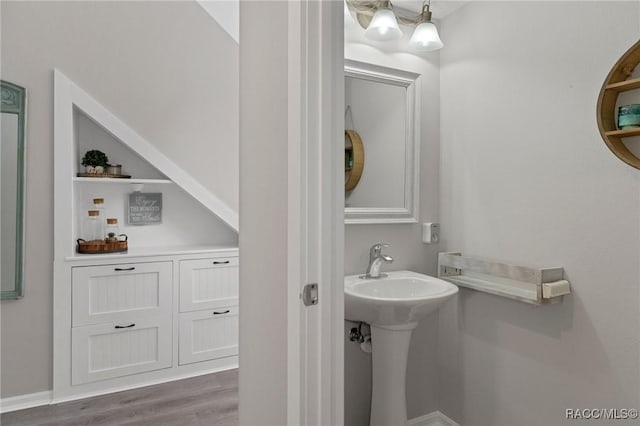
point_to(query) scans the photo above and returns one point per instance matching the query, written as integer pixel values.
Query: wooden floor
(210, 400)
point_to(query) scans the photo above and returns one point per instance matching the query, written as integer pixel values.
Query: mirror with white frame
(12, 171)
(382, 106)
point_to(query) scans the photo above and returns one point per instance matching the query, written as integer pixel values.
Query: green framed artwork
(12, 189)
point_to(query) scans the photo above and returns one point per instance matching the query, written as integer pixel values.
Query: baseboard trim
(432, 419)
(21, 402)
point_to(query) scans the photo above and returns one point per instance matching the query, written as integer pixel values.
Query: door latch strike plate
(310, 294)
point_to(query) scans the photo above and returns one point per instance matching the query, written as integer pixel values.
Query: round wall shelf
(619, 80)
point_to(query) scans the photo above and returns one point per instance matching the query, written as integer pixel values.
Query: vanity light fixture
(383, 26)
(348, 18)
(425, 37)
(380, 21)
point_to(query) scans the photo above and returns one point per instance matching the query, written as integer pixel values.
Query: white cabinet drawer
(116, 293)
(208, 334)
(112, 350)
(208, 283)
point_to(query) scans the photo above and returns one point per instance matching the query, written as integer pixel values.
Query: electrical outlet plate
(430, 233)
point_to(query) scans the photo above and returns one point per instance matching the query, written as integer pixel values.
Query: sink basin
(402, 298)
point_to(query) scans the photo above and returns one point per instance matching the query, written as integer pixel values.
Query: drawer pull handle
(221, 313)
(220, 263)
(125, 326)
(125, 269)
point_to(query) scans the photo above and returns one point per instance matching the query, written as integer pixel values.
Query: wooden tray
(103, 175)
(101, 246)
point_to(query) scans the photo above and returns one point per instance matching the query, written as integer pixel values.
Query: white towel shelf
(121, 181)
(537, 286)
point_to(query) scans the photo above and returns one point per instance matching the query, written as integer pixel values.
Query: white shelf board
(497, 289)
(154, 251)
(121, 180)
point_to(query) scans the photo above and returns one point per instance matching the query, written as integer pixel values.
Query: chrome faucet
(376, 259)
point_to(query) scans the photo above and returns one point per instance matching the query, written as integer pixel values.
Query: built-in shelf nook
(168, 306)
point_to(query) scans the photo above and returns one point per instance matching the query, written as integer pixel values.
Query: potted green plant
(95, 161)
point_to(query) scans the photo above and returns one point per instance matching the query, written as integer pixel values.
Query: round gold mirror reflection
(353, 159)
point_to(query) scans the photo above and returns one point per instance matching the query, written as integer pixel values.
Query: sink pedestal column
(390, 346)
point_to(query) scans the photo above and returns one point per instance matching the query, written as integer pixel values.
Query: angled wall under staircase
(192, 215)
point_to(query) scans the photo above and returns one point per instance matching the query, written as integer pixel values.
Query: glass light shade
(425, 38)
(383, 26)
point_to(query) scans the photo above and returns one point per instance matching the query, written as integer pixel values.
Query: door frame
(315, 348)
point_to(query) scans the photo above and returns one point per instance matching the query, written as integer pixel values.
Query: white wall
(406, 248)
(166, 68)
(526, 179)
(263, 189)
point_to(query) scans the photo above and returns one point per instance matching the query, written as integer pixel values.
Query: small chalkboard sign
(145, 208)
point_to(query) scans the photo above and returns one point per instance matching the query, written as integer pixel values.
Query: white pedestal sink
(392, 305)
